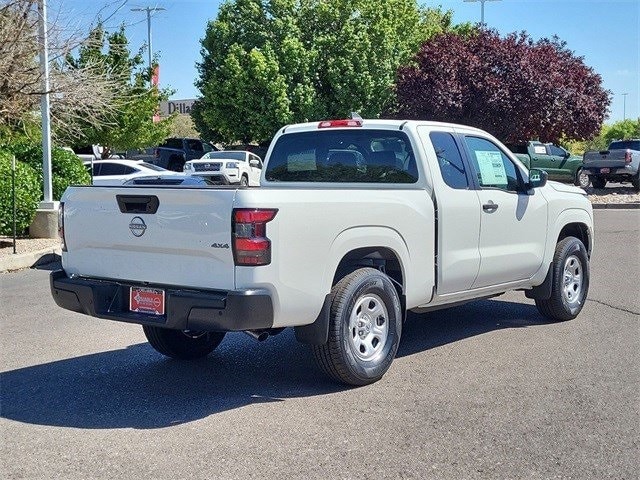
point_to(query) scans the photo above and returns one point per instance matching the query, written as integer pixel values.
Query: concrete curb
(30, 259)
(615, 206)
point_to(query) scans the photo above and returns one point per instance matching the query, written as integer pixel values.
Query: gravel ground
(26, 245)
(616, 193)
(612, 194)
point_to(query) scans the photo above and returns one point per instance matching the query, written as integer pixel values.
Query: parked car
(227, 167)
(174, 152)
(171, 180)
(337, 248)
(555, 160)
(117, 172)
(92, 152)
(620, 163)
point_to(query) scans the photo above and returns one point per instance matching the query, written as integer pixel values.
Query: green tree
(266, 63)
(130, 123)
(622, 130)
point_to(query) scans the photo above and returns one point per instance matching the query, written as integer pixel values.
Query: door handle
(490, 207)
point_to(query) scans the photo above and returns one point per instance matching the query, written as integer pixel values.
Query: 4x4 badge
(137, 226)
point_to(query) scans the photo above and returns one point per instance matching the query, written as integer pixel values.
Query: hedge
(28, 194)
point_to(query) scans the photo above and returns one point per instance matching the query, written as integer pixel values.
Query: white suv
(227, 167)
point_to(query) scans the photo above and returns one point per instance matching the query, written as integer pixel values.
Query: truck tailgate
(164, 236)
(605, 158)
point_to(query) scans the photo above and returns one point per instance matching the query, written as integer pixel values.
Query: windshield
(225, 155)
(625, 144)
(346, 156)
(151, 166)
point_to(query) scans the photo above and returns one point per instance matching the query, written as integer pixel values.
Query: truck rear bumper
(185, 309)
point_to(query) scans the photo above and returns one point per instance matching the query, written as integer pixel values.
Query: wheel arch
(378, 247)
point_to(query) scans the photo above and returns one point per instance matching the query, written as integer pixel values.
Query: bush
(28, 194)
(66, 168)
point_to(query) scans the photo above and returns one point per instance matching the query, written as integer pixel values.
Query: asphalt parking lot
(486, 390)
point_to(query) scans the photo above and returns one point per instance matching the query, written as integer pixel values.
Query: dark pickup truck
(174, 152)
(555, 160)
(620, 163)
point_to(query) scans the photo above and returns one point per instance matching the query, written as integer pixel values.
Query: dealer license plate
(605, 170)
(146, 300)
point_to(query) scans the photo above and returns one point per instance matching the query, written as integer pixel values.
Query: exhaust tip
(259, 335)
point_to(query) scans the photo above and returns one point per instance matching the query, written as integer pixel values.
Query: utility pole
(149, 10)
(624, 106)
(482, 7)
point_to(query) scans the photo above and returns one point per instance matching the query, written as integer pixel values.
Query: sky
(605, 32)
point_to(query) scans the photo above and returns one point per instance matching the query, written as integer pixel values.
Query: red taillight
(340, 123)
(627, 156)
(251, 246)
(61, 227)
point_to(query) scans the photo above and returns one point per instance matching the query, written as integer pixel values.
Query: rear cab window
(343, 156)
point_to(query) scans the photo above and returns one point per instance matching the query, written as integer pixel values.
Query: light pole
(45, 112)
(482, 7)
(624, 106)
(149, 10)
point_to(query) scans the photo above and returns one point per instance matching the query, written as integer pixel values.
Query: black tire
(636, 182)
(567, 300)
(582, 179)
(244, 181)
(373, 300)
(176, 164)
(182, 344)
(598, 182)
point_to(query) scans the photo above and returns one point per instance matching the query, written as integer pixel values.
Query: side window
(493, 168)
(449, 160)
(206, 147)
(195, 145)
(129, 170)
(255, 157)
(111, 169)
(555, 151)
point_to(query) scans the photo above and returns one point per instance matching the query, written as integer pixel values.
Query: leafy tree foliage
(622, 130)
(130, 123)
(513, 87)
(266, 63)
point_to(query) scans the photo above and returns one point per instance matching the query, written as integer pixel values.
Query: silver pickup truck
(620, 163)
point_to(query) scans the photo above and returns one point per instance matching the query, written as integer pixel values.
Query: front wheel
(182, 344)
(570, 281)
(582, 179)
(364, 328)
(598, 182)
(636, 182)
(244, 181)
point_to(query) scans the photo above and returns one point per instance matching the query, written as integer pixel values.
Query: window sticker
(492, 171)
(540, 149)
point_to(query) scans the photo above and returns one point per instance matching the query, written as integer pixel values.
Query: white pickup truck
(355, 223)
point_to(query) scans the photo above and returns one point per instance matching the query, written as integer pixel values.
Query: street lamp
(149, 10)
(482, 7)
(624, 105)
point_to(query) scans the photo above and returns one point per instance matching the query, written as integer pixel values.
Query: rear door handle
(490, 207)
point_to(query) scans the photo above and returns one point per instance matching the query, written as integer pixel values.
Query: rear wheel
(364, 328)
(598, 182)
(582, 179)
(570, 281)
(182, 344)
(636, 182)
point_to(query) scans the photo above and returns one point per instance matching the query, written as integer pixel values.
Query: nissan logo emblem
(137, 226)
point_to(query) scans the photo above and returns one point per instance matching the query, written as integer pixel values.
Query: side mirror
(537, 178)
(254, 163)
